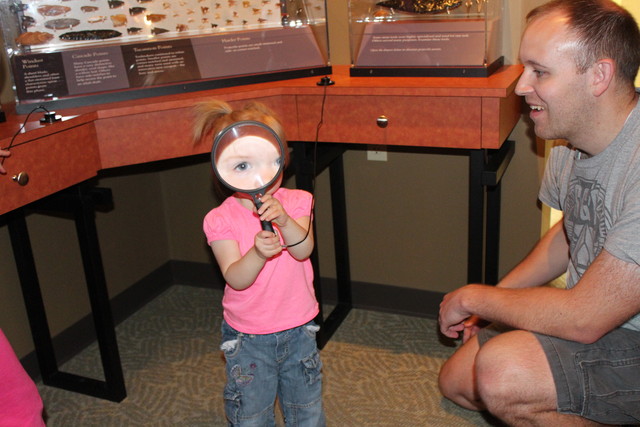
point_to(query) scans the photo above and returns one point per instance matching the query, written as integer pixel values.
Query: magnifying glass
(248, 157)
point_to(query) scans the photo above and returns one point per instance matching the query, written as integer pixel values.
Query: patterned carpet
(380, 369)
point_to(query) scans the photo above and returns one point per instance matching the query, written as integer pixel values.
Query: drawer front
(411, 121)
(53, 163)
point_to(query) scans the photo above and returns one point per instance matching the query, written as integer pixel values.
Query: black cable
(315, 162)
(39, 107)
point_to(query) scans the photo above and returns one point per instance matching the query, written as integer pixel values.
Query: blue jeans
(260, 367)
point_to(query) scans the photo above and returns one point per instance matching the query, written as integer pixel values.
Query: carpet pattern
(380, 369)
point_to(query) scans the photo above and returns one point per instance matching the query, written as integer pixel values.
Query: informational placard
(39, 75)
(255, 52)
(150, 64)
(97, 69)
(423, 44)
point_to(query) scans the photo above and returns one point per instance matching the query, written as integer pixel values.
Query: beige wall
(632, 6)
(407, 216)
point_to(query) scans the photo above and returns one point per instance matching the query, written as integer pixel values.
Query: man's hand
(471, 327)
(454, 316)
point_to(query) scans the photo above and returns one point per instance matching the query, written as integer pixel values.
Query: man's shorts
(599, 381)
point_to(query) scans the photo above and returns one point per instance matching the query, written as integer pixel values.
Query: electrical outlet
(377, 153)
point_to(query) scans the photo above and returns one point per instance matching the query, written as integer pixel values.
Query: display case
(72, 53)
(452, 38)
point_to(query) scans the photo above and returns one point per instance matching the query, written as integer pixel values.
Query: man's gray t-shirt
(600, 200)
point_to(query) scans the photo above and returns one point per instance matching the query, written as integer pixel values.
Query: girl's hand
(271, 210)
(267, 244)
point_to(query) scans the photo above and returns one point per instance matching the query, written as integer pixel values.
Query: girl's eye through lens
(242, 167)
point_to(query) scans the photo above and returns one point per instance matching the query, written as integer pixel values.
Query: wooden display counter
(467, 113)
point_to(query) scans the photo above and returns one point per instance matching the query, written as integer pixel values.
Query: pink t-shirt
(282, 297)
(20, 403)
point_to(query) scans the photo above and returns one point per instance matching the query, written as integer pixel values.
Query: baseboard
(387, 298)
(200, 274)
(369, 296)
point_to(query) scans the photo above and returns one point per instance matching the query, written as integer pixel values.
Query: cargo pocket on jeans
(312, 367)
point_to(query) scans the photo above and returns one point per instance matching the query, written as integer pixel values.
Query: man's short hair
(603, 29)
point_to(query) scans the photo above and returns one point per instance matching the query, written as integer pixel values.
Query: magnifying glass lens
(250, 163)
(248, 157)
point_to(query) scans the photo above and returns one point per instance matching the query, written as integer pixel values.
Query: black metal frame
(80, 202)
(308, 164)
(451, 71)
(486, 168)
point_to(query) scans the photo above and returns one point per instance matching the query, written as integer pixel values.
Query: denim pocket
(611, 389)
(311, 329)
(312, 367)
(231, 341)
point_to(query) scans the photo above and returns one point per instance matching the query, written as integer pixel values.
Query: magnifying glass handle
(266, 225)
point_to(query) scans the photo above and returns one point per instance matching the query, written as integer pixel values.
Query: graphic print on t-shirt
(585, 207)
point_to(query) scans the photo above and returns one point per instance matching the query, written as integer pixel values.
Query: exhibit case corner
(73, 53)
(449, 38)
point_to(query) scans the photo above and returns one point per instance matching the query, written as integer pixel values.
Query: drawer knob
(22, 178)
(382, 122)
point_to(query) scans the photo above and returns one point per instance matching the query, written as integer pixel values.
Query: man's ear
(603, 72)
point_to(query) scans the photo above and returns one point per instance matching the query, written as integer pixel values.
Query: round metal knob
(382, 121)
(22, 178)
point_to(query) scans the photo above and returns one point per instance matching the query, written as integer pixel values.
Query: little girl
(268, 333)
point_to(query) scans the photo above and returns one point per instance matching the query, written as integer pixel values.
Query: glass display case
(426, 37)
(72, 53)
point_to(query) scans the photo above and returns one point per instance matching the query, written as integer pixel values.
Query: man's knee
(494, 380)
(511, 372)
(446, 380)
(456, 379)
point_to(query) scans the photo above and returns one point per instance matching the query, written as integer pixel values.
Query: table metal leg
(80, 202)
(307, 166)
(475, 247)
(486, 168)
